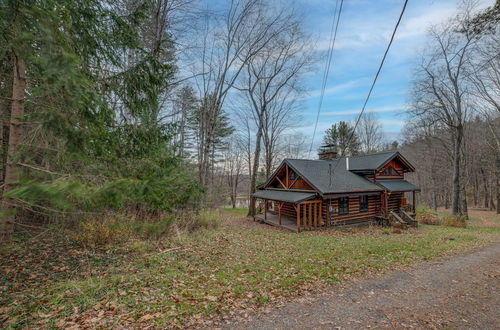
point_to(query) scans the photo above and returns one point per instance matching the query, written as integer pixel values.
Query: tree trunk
(446, 200)
(497, 170)
(15, 136)
(475, 188)
(255, 170)
(269, 161)
(456, 187)
(463, 207)
(485, 189)
(434, 200)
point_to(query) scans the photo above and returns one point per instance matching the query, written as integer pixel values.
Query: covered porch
(291, 210)
(394, 203)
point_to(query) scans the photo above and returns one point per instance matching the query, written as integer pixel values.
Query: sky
(364, 32)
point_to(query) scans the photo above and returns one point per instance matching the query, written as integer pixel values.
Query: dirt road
(462, 292)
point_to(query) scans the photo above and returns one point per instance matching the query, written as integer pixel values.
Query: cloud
(357, 111)
(392, 123)
(338, 88)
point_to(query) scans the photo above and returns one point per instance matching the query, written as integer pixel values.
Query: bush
(192, 221)
(426, 216)
(455, 221)
(115, 228)
(101, 232)
(428, 219)
(154, 229)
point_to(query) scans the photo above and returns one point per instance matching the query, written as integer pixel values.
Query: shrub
(426, 216)
(100, 232)
(455, 221)
(154, 229)
(192, 221)
(428, 219)
(114, 228)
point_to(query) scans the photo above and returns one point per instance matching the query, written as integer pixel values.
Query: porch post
(252, 207)
(279, 212)
(414, 201)
(304, 216)
(265, 209)
(297, 210)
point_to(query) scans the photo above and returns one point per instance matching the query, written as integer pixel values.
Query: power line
(373, 83)
(333, 37)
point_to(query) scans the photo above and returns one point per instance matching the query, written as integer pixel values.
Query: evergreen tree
(186, 104)
(343, 139)
(85, 129)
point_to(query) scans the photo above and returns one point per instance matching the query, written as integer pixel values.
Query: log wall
(394, 201)
(354, 215)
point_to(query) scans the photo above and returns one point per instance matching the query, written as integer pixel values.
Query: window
(363, 203)
(293, 175)
(344, 205)
(390, 171)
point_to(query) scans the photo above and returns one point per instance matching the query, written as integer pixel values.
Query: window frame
(293, 175)
(363, 203)
(344, 209)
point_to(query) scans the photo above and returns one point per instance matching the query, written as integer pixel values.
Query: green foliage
(338, 136)
(237, 210)
(96, 80)
(154, 229)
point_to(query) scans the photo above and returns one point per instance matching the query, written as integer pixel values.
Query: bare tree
(370, 132)
(440, 92)
(234, 159)
(485, 78)
(271, 84)
(282, 115)
(293, 145)
(230, 40)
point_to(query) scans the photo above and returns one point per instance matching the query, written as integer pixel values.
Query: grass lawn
(191, 279)
(237, 210)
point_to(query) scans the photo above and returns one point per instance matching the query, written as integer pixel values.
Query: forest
(151, 108)
(133, 133)
(107, 108)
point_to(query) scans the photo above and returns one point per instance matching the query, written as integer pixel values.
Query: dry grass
(116, 228)
(458, 222)
(428, 219)
(188, 280)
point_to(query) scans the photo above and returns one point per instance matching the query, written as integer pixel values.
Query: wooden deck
(273, 220)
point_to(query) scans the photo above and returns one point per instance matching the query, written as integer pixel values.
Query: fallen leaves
(56, 284)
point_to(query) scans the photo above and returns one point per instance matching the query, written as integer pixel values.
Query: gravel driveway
(462, 292)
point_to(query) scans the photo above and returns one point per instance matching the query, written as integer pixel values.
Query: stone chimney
(327, 152)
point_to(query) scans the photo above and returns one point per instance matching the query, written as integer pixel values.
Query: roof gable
(374, 162)
(283, 178)
(331, 176)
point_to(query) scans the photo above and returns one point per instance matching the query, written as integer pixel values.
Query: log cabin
(307, 194)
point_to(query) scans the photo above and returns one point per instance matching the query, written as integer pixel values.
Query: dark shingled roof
(370, 162)
(284, 196)
(398, 185)
(317, 173)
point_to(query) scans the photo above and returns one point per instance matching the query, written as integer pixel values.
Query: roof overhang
(351, 194)
(403, 160)
(398, 185)
(284, 196)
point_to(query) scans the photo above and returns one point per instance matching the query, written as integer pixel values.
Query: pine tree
(343, 139)
(85, 128)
